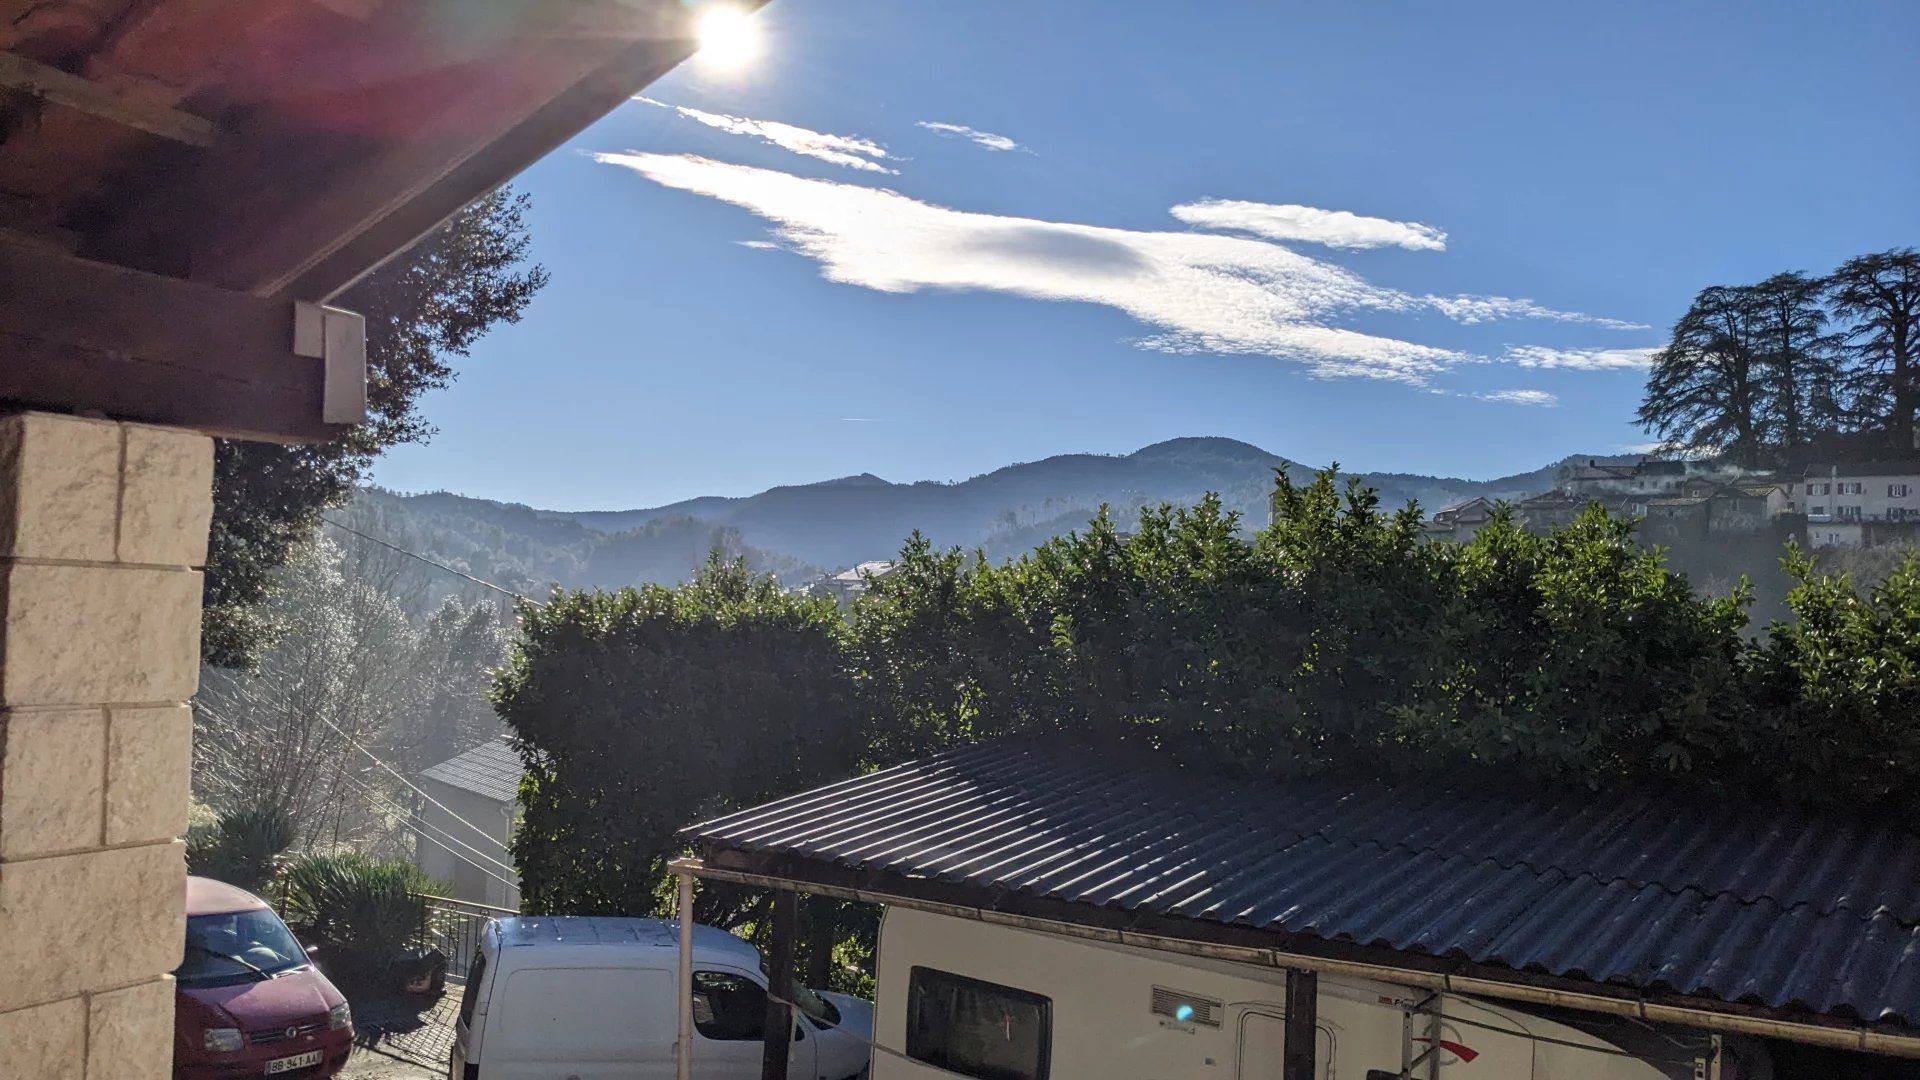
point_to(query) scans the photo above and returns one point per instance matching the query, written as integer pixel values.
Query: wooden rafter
(64, 88)
(93, 338)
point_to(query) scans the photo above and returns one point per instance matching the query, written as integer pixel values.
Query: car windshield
(237, 946)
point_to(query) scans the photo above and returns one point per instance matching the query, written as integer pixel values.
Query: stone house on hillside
(1862, 504)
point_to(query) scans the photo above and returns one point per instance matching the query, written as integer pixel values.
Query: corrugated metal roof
(491, 769)
(1710, 900)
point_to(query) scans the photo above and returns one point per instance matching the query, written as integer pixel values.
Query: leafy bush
(642, 710)
(240, 847)
(361, 912)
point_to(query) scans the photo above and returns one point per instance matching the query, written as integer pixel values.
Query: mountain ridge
(799, 529)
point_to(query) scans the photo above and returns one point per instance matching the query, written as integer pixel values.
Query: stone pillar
(102, 527)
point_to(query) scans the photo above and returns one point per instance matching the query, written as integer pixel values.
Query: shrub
(240, 847)
(361, 912)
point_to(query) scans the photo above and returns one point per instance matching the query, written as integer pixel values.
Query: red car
(248, 1000)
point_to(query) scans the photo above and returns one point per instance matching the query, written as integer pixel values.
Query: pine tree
(1879, 295)
(1798, 360)
(1707, 390)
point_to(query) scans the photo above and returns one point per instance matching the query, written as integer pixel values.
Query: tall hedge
(1334, 639)
(641, 711)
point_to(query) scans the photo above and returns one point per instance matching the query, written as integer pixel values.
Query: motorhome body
(964, 997)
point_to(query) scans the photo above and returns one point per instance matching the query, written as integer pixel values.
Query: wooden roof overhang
(176, 175)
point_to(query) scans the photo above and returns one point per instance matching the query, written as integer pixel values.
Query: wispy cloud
(759, 245)
(1540, 356)
(1472, 310)
(848, 150)
(985, 139)
(1195, 291)
(1310, 224)
(1540, 398)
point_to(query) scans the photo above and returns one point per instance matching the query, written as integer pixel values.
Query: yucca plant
(362, 912)
(241, 847)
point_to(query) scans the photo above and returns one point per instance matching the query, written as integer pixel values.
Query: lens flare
(729, 38)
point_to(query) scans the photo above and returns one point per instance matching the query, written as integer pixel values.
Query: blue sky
(1415, 237)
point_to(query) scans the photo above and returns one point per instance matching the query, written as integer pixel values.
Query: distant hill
(798, 531)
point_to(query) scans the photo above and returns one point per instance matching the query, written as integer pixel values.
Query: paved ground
(403, 1038)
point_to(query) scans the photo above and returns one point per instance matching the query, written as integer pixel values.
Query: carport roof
(1789, 913)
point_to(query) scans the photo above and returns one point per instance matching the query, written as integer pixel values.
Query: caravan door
(1263, 1043)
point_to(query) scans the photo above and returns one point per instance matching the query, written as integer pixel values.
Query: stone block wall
(102, 529)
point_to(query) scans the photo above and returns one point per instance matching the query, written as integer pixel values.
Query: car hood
(299, 994)
(856, 1014)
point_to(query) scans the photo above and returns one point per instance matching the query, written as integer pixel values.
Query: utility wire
(371, 756)
(430, 562)
(408, 819)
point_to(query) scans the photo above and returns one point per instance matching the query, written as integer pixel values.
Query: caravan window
(976, 1028)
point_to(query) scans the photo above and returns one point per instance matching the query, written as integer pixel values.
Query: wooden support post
(683, 1009)
(1303, 1017)
(773, 1063)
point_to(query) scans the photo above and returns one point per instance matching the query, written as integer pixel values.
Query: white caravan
(960, 997)
(589, 998)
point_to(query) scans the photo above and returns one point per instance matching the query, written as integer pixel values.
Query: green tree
(423, 309)
(1798, 360)
(1707, 389)
(640, 711)
(1879, 297)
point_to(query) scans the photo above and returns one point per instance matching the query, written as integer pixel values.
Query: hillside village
(1821, 505)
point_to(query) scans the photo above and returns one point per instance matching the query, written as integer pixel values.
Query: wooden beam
(82, 336)
(1303, 1017)
(308, 194)
(65, 88)
(779, 1031)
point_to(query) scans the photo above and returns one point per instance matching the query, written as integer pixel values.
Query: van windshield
(237, 946)
(817, 1008)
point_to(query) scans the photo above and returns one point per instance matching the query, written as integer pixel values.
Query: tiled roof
(491, 769)
(1709, 900)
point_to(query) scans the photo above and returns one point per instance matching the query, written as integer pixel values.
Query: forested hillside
(796, 532)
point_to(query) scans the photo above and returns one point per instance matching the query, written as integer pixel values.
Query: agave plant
(241, 847)
(363, 913)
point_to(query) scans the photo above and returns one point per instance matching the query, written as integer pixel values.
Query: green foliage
(241, 847)
(361, 912)
(1335, 640)
(1794, 367)
(640, 711)
(426, 306)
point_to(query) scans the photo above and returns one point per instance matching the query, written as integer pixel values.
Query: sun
(729, 38)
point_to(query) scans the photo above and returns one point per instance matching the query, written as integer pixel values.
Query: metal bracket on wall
(338, 339)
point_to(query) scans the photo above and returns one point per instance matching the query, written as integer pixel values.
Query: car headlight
(222, 1040)
(339, 1016)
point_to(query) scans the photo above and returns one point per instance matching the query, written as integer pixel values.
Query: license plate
(297, 1061)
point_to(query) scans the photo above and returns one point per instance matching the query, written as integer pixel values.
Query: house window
(1847, 513)
(1816, 511)
(1896, 513)
(978, 1029)
(1896, 491)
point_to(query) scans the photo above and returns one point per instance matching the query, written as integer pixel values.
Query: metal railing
(454, 927)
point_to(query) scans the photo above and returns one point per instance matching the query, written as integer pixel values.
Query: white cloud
(1333, 228)
(1196, 292)
(1472, 310)
(1519, 397)
(986, 139)
(1540, 356)
(759, 245)
(848, 150)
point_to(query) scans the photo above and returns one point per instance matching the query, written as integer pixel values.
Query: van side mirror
(313, 950)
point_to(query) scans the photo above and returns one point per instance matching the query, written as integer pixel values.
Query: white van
(592, 998)
(962, 997)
